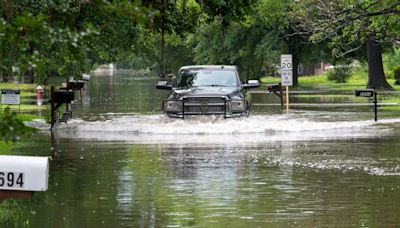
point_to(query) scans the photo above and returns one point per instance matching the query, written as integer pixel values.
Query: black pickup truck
(207, 90)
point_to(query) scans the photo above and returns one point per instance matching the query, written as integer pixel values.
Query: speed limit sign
(286, 62)
(286, 70)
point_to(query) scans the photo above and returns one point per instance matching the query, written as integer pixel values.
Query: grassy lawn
(5, 147)
(358, 80)
(25, 87)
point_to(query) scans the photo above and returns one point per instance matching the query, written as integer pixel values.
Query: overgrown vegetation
(339, 74)
(43, 39)
(12, 127)
(396, 74)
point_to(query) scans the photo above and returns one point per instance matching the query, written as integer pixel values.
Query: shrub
(340, 74)
(11, 127)
(396, 74)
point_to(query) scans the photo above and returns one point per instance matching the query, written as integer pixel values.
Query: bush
(396, 74)
(11, 127)
(340, 74)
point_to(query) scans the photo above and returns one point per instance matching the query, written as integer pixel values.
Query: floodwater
(121, 163)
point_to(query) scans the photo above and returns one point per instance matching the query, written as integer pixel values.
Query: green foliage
(391, 60)
(351, 25)
(340, 74)
(64, 38)
(11, 127)
(247, 44)
(396, 74)
(348, 24)
(228, 10)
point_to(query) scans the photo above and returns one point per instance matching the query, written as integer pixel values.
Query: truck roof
(230, 67)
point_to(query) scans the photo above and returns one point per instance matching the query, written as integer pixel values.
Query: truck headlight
(172, 106)
(238, 105)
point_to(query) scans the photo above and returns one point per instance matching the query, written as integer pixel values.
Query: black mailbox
(369, 93)
(274, 87)
(365, 92)
(63, 96)
(77, 85)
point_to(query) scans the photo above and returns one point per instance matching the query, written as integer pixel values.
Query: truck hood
(205, 91)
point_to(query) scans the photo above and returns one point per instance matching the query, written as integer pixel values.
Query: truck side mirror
(251, 84)
(163, 85)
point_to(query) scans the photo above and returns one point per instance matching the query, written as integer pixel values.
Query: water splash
(257, 128)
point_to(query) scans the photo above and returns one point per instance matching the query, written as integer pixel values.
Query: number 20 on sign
(286, 62)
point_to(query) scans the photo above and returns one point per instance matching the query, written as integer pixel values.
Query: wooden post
(375, 106)
(281, 94)
(287, 99)
(11, 194)
(52, 104)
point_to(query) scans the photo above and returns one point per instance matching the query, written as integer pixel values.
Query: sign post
(287, 75)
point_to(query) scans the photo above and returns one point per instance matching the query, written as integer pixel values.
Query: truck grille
(204, 106)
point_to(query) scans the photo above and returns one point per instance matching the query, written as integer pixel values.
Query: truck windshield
(206, 77)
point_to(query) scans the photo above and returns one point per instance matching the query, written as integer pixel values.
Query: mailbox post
(59, 98)
(277, 90)
(371, 93)
(20, 176)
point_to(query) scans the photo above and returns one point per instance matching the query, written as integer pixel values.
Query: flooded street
(121, 163)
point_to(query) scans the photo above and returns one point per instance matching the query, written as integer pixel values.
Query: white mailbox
(24, 173)
(86, 77)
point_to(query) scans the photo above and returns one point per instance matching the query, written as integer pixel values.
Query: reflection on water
(136, 168)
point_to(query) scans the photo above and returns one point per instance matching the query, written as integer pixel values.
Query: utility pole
(162, 64)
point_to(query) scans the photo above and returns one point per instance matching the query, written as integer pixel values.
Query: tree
(65, 38)
(174, 19)
(43, 38)
(350, 25)
(227, 10)
(279, 16)
(238, 44)
(232, 34)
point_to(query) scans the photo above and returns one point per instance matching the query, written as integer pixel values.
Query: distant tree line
(42, 39)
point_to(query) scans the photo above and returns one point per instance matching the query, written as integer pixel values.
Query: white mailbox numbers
(11, 179)
(24, 173)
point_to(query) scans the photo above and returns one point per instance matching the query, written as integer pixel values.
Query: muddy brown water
(121, 163)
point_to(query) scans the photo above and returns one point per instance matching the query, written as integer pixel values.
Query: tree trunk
(376, 75)
(295, 71)
(29, 76)
(5, 78)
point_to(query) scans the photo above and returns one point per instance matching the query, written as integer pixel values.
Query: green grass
(27, 90)
(358, 79)
(5, 147)
(25, 87)
(28, 117)
(25, 107)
